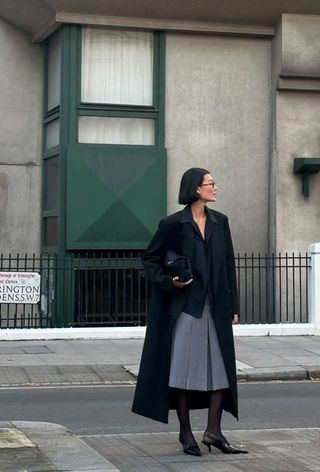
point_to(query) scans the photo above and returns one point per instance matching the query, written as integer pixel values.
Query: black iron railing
(273, 288)
(111, 289)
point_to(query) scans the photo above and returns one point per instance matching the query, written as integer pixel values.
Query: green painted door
(115, 195)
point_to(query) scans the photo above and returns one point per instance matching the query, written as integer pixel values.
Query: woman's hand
(235, 319)
(178, 284)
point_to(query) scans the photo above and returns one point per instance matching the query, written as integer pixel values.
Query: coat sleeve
(154, 255)
(231, 270)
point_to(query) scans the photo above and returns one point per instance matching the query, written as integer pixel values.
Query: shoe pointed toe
(222, 444)
(193, 450)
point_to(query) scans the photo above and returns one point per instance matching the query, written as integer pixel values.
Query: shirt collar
(186, 216)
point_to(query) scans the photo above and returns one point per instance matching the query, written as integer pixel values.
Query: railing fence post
(314, 286)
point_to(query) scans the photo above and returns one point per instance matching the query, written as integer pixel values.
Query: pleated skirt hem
(196, 359)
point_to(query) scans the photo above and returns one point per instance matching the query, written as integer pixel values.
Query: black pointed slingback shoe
(221, 443)
(191, 450)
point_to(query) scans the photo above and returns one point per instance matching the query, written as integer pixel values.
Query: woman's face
(207, 191)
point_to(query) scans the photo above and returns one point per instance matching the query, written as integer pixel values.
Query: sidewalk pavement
(44, 447)
(65, 362)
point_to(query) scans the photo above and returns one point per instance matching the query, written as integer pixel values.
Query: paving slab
(62, 450)
(64, 375)
(269, 451)
(24, 460)
(13, 438)
(16, 375)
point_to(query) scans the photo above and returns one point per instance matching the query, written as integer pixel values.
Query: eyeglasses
(210, 183)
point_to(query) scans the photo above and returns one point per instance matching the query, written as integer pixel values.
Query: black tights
(214, 414)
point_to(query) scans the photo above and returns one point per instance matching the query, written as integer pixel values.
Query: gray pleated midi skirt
(196, 359)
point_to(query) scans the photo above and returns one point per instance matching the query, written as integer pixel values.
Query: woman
(188, 359)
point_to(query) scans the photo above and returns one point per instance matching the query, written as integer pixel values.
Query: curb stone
(266, 374)
(277, 373)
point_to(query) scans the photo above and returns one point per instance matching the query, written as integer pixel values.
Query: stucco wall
(20, 140)
(296, 131)
(298, 135)
(218, 117)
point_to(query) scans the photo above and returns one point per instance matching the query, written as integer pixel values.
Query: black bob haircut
(190, 180)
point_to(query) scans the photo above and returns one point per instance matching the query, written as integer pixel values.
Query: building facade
(104, 104)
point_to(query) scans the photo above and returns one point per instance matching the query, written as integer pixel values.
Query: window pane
(105, 130)
(51, 231)
(51, 183)
(54, 70)
(116, 66)
(52, 134)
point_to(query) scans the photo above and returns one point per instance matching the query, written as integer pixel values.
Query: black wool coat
(153, 398)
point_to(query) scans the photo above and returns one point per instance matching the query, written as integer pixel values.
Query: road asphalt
(43, 447)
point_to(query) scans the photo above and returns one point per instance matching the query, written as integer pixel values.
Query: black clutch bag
(178, 266)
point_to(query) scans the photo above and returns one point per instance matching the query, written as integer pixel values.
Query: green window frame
(154, 112)
(50, 115)
(71, 108)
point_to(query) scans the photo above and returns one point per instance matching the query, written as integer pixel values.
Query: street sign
(19, 287)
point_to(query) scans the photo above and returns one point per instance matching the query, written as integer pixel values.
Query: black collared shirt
(198, 290)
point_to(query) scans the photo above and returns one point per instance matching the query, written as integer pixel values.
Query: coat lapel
(187, 237)
(211, 225)
(213, 231)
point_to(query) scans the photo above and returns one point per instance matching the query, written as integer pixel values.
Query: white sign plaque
(19, 287)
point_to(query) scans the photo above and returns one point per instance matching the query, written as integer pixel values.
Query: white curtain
(105, 130)
(116, 66)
